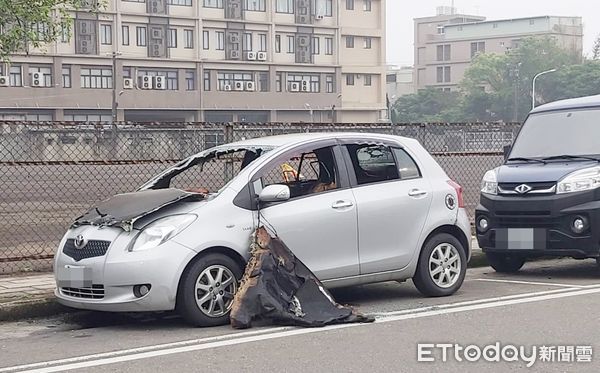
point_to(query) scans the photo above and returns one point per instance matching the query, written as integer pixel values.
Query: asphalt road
(551, 303)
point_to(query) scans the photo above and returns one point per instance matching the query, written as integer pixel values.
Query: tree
(596, 49)
(570, 82)
(28, 24)
(429, 105)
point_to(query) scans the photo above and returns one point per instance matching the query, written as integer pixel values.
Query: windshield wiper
(523, 159)
(568, 156)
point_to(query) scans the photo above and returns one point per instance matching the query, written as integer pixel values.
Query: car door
(319, 222)
(393, 201)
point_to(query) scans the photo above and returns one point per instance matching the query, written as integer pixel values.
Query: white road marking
(247, 337)
(531, 283)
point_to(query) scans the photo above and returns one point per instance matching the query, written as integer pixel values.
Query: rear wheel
(505, 263)
(442, 266)
(206, 290)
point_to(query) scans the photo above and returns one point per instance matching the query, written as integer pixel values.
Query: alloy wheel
(215, 288)
(444, 265)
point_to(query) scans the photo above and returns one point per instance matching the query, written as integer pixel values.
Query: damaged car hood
(123, 210)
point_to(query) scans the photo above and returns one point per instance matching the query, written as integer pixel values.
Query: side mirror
(274, 193)
(506, 149)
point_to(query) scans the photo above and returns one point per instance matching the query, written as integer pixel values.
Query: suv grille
(95, 292)
(536, 188)
(92, 249)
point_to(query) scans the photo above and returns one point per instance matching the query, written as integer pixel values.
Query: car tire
(200, 290)
(504, 263)
(428, 279)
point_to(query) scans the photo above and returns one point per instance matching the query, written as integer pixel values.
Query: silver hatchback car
(356, 208)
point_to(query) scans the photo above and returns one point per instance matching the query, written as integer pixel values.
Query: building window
(205, 40)
(444, 52)
(213, 4)
(46, 70)
(66, 76)
(285, 6)
(277, 43)
(105, 34)
(349, 79)
(220, 40)
(263, 82)
(441, 30)
(328, 8)
(255, 5)
(188, 39)
(477, 47)
(190, 80)
(443, 74)
(368, 42)
(206, 84)
(125, 35)
(367, 6)
(495, 25)
(171, 76)
(350, 4)
(40, 31)
(532, 21)
(290, 43)
(329, 46)
(15, 76)
(247, 42)
(228, 78)
(140, 36)
(368, 80)
(316, 45)
(262, 42)
(180, 2)
(65, 34)
(329, 83)
(313, 80)
(172, 39)
(97, 77)
(278, 80)
(349, 41)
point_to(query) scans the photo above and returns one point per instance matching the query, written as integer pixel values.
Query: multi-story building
(207, 60)
(446, 44)
(399, 81)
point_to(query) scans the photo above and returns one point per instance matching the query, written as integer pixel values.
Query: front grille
(95, 292)
(92, 249)
(536, 188)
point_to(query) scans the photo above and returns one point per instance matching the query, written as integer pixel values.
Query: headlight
(489, 185)
(161, 230)
(579, 181)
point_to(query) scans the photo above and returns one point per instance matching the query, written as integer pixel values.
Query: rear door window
(407, 167)
(373, 163)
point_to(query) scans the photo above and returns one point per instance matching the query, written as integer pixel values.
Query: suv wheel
(505, 263)
(442, 266)
(206, 290)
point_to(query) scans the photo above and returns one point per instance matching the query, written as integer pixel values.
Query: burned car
(355, 208)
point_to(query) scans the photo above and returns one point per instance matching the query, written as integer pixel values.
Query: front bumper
(550, 216)
(114, 275)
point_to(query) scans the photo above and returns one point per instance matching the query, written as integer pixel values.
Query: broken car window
(372, 163)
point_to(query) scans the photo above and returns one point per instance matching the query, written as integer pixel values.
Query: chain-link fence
(52, 172)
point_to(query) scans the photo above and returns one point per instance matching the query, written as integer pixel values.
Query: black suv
(545, 199)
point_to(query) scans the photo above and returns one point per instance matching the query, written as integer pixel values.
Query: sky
(400, 14)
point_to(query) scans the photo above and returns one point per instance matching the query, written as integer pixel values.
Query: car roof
(294, 138)
(572, 103)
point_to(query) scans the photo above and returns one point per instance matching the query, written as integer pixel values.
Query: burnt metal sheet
(125, 209)
(278, 287)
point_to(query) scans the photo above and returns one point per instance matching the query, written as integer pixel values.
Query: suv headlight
(161, 230)
(579, 181)
(489, 184)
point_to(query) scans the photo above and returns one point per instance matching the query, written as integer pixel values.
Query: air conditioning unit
(251, 56)
(227, 87)
(128, 83)
(154, 7)
(234, 54)
(304, 19)
(37, 80)
(155, 51)
(305, 86)
(261, 56)
(84, 46)
(160, 82)
(146, 82)
(234, 38)
(238, 85)
(294, 87)
(250, 86)
(303, 41)
(4, 81)
(157, 33)
(319, 17)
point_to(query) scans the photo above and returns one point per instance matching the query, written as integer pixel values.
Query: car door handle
(342, 205)
(417, 193)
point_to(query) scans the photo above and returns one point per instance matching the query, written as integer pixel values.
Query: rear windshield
(574, 132)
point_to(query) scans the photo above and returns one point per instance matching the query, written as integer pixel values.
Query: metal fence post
(228, 138)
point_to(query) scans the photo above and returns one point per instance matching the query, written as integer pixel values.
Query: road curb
(40, 307)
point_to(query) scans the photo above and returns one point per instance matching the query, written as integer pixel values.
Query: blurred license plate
(521, 239)
(74, 277)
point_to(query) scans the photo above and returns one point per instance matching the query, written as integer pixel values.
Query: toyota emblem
(79, 242)
(523, 188)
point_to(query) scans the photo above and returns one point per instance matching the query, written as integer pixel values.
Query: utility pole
(115, 104)
(517, 74)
